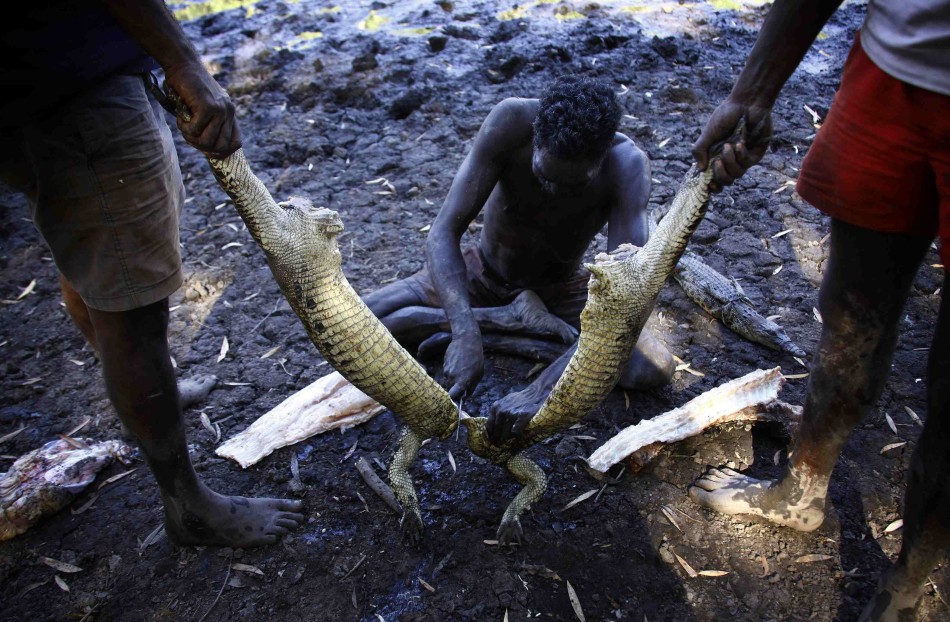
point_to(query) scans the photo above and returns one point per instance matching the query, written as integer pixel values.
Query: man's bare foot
(219, 520)
(894, 601)
(531, 313)
(195, 390)
(794, 501)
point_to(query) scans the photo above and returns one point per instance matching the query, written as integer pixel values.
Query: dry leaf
(669, 516)
(7, 437)
(151, 538)
(426, 228)
(894, 526)
(85, 506)
(116, 478)
(712, 573)
(817, 315)
(451, 460)
(892, 446)
(247, 568)
(231, 245)
(79, 427)
(206, 422)
(890, 423)
(583, 497)
(815, 117)
(794, 376)
(777, 270)
(813, 557)
(224, 350)
(575, 603)
(663, 142)
(270, 352)
(782, 233)
(426, 585)
(61, 566)
(689, 569)
(62, 584)
(914, 416)
(491, 542)
(27, 291)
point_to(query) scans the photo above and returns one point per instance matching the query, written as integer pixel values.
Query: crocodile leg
(535, 483)
(402, 484)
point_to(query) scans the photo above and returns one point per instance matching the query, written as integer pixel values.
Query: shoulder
(625, 161)
(514, 112)
(508, 126)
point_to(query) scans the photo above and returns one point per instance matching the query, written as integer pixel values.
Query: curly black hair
(578, 117)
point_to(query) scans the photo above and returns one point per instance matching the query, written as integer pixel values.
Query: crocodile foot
(510, 532)
(411, 524)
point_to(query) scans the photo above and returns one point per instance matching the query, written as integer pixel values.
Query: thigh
(567, 298)
(108, 193)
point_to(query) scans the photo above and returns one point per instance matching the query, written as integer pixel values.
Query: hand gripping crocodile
(300, 244)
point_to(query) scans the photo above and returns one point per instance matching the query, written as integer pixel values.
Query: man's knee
(651, 365)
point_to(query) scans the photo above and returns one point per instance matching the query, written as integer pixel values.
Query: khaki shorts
(102, 178)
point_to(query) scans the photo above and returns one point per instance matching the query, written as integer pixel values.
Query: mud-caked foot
(530, 311)
(192, 391)
(509, 532)
(894, 601)
(411, 524)
(210, 519)
(790, 502)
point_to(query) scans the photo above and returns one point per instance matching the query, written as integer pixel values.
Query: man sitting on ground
(549, 174)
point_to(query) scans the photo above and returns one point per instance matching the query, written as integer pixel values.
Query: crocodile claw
(510, 532)
(411, 523)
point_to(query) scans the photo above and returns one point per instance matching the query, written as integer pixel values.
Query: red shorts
(882, 158)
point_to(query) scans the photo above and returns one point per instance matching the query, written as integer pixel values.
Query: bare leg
(862, 295)
(191, 391)
(927, 500)
(533, 349)
(525, 315)
(141, 384)
(78, 312)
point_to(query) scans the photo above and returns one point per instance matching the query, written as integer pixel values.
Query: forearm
(154, 27)
(447, 268)
(790, 28)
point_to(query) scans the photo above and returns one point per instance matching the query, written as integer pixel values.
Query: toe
(705, 484)
(287, 523)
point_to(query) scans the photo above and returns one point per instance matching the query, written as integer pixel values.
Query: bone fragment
(328, 403)
(741, 399)
(47, 479)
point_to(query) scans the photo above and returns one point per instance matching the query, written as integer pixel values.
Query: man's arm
(471, 187)
(788, 31)
(627, 171)
(213, 127)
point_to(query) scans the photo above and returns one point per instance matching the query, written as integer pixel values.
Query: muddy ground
(332, 99)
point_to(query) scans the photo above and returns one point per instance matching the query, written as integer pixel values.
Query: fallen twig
(381, 488)
(221, 591)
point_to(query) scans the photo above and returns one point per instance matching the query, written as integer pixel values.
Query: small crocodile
(725, 301)
(300, 244)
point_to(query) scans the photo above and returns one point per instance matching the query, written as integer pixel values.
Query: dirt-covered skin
(323, 115)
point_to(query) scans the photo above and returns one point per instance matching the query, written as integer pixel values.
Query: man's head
(576, 122)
